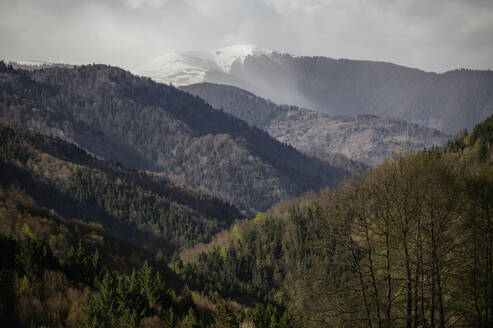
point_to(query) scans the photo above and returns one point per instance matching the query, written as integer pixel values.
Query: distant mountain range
(150, 126)
(340, 140)
(450, 101)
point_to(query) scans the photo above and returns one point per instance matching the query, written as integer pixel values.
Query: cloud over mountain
(438, 35)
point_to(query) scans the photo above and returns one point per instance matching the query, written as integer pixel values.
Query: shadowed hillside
(151, 126)
(450, 101)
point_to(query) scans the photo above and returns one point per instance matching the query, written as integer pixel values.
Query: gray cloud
(433, 35)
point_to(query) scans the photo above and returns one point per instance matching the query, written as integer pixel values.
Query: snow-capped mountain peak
(225, 57)
(178, 68)
(189, 67)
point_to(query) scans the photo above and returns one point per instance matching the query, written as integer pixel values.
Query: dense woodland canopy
(64, 273)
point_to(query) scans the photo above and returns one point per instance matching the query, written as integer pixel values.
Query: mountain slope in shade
(150, 126)
(367, 139)
(450, 101)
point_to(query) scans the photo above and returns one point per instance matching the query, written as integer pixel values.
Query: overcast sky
(433, 35)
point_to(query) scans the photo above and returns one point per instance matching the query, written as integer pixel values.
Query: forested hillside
(363, 139)
(77, 272)
(132, 205)
(408, 245)
(65, 273)
(57, 273)
(450, 101)
(145, 125)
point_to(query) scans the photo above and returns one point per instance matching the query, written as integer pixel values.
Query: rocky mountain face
(150, 126)
(340, 140)
(450, 101)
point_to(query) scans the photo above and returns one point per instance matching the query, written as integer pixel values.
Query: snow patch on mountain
(189, 67)
(225, 57)
(178, 68)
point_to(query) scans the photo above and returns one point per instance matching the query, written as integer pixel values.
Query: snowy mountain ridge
(189, 67)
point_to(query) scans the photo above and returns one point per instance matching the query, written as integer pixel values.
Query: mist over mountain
(340, 140)
(450, 101)
(188, 67)
(150, 126)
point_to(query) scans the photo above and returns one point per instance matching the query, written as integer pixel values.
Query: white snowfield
(189, 67)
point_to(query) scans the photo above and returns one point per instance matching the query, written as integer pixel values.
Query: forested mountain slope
(408, 244)
(132, 205)
(475, 147)
(151, 126)
(56, 272)
(365, 138)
